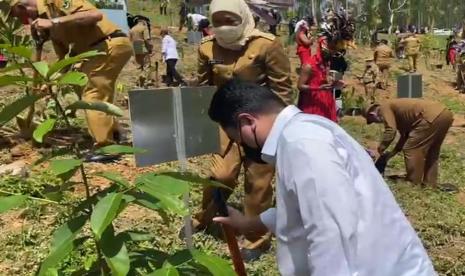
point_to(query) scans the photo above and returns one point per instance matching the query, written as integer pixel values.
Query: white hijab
(234, 37)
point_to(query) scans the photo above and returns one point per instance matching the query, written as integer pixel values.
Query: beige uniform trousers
(421, 151)
(103, 72)
(384, 70)
(258, 189)
(412, 62)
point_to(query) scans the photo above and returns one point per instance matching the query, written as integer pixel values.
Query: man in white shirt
(195, 19)
(170, 56)
(335, 215)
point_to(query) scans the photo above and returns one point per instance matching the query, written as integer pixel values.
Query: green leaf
(168, 201)
(97, 106)
(192, 178)
(10, 202)
(135, 236)
(44, 128)
(63, 166)
(216, 265)
(21, 51)
(104, 213)
(115, 178)
(120, 149)
(165, 271)
(145, 200)
(55, 153)
(63, 63)
(164, 183)
(115, 252)
(13, 80)
(63, 242)
(41, 67)
(13, 109)
(73, 78)
(166, 189)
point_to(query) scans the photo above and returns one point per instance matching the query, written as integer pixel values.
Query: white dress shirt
(335, 215)
(195, 17)
(168, 48)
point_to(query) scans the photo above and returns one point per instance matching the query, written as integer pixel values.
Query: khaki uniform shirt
(139, 32)
(412, 45)
(369, 76)
(262, 61)
(383, 54)
(79, 38)
(403, 115)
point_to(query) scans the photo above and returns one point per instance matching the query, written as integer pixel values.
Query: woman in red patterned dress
(316, 94)
(304, 41)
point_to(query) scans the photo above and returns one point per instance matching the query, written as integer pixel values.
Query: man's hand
(235, 219)
(41, 24)
(387, 155)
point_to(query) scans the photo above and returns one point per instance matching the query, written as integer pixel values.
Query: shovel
(229, 235)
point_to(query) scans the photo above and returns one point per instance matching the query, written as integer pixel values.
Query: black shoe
(101, 158)
(251, 255)
(448, 188)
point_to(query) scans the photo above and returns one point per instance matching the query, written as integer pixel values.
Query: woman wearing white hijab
(237, 49)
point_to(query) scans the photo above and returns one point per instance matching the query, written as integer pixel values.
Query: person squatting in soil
(422, 125)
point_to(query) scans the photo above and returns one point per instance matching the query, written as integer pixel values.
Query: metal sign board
(194, 37)
(410, 86)
(169, 120)
(119, 17)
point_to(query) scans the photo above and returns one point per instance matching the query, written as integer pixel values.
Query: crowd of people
(334, 213)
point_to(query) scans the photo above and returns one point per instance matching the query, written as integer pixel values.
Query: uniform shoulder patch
(207, 38)
(65, 4)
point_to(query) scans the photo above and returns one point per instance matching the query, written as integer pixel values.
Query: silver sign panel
(157, 116)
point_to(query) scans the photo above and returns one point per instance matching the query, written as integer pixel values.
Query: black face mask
(254, 154)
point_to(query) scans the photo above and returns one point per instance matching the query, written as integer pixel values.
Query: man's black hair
(384, 41)
(238, 96)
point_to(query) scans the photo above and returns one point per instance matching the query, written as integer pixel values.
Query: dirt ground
(439, 218)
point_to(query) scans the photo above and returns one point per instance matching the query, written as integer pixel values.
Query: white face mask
(229, 34)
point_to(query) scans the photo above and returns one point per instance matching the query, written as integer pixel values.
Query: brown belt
(110, 36)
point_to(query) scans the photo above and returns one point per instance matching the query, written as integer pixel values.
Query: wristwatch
(56, 21)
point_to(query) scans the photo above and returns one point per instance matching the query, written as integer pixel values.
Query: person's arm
(79, 13)
(278, 72)
(204, 69)
(390, 129)
(164, 48)
(327, 202)
(305, 40)
(305, 73)
(256, 224)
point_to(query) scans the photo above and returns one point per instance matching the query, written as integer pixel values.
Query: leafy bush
(90, 226)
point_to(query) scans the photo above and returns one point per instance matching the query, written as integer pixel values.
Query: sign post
(173, 124)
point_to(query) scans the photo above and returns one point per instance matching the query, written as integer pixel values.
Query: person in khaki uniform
(383, 55)
(74, 27)
(422, 125)
(460, 67)
(237, 49)
(140, 37)
(412, 49)
(369, 80)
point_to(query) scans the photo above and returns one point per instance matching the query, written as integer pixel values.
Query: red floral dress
(318, 101)
(303, 52)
